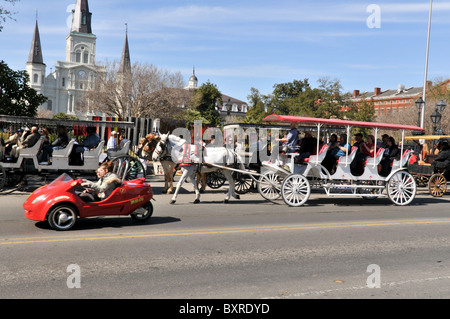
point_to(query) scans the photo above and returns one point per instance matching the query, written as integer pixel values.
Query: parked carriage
(13, 170)
(426, 149)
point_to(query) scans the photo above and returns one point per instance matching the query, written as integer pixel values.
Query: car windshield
(64, 178)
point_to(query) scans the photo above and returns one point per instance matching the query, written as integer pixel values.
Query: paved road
(330, 248)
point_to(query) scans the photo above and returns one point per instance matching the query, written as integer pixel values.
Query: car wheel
(143, 213)
(62, 217)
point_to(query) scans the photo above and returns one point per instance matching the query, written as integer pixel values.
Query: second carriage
(14, 170)
(293, 181)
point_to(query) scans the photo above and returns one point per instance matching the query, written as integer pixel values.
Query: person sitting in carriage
(442, 161)
(289, 142)
(106, 184)
(335, 151)
(61, 142)
(13, 140)
(307, 147)
(392, 153)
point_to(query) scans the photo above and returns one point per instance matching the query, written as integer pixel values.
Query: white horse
(178, 149)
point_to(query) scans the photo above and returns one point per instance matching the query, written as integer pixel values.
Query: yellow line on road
(217, 231)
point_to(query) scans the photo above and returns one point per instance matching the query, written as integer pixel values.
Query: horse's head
(161, 148)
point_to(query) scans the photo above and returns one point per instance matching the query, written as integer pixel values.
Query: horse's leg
(170, 177)
(228, 175)
(193, 179)
(185, 173)
(166, 181)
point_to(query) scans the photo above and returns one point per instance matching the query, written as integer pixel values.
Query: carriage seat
(378, 157)
(33, 151)
(64, 152)
(405, 159)
(317, 159)
(123, 151)
(343, 160)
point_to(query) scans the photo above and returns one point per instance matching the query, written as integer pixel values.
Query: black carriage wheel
(242, 182)
(437, 185)
(215, 179)
(128, 167)
(143, 213)
(15, 176)
(62, 217)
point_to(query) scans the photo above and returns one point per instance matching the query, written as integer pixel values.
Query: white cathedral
(65, 86)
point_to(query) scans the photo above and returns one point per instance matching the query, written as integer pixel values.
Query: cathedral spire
(81, 20)
(35, 55)
(125, 61)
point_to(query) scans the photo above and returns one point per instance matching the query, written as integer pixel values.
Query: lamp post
(420, 104)
(228, 106)
(436, 117)
(422, 120)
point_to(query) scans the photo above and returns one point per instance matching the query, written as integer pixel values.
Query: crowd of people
(306, 146)
(26, 138)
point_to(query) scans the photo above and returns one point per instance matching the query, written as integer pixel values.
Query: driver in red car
(107, 182)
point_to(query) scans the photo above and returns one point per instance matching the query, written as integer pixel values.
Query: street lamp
(420, 104)
(228, 106)
(441, 106)
(436, 117)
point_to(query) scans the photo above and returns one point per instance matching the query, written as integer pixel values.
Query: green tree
(257, 107)
(204, 100)
(16, 96)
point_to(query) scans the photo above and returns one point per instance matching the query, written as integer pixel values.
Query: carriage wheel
(242, 183)
(127, 167)
(269, 186)
(295, 190)
(401, 188)
(215, 179)
(2, 177)
(437, 185)
(14, 177)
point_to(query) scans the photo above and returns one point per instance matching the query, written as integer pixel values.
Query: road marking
(216, 231)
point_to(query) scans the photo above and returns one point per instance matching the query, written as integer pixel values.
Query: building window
(35, 78)
(63, 83)
(49, 105)
(78, 56)
(86, 57)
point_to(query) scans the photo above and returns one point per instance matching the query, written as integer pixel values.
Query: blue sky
(243, 44)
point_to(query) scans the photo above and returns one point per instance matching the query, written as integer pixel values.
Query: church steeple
(125, 61)
(35, 55)
(81, 18)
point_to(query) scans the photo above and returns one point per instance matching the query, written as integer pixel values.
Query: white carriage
(13, 170)
(294, 181)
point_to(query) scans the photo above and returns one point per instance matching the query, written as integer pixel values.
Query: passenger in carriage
(122, 140)
(89, 143)
(335, 151)
(13, 140)
(308, 146)
(29, 141)
(60, 143)
(107, 182)
(442, 161)
(393, 153)
(290, 140)
(357, 166)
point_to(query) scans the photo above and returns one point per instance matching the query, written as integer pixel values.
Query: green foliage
(16, 96)
(64, 116)
(204, 101)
